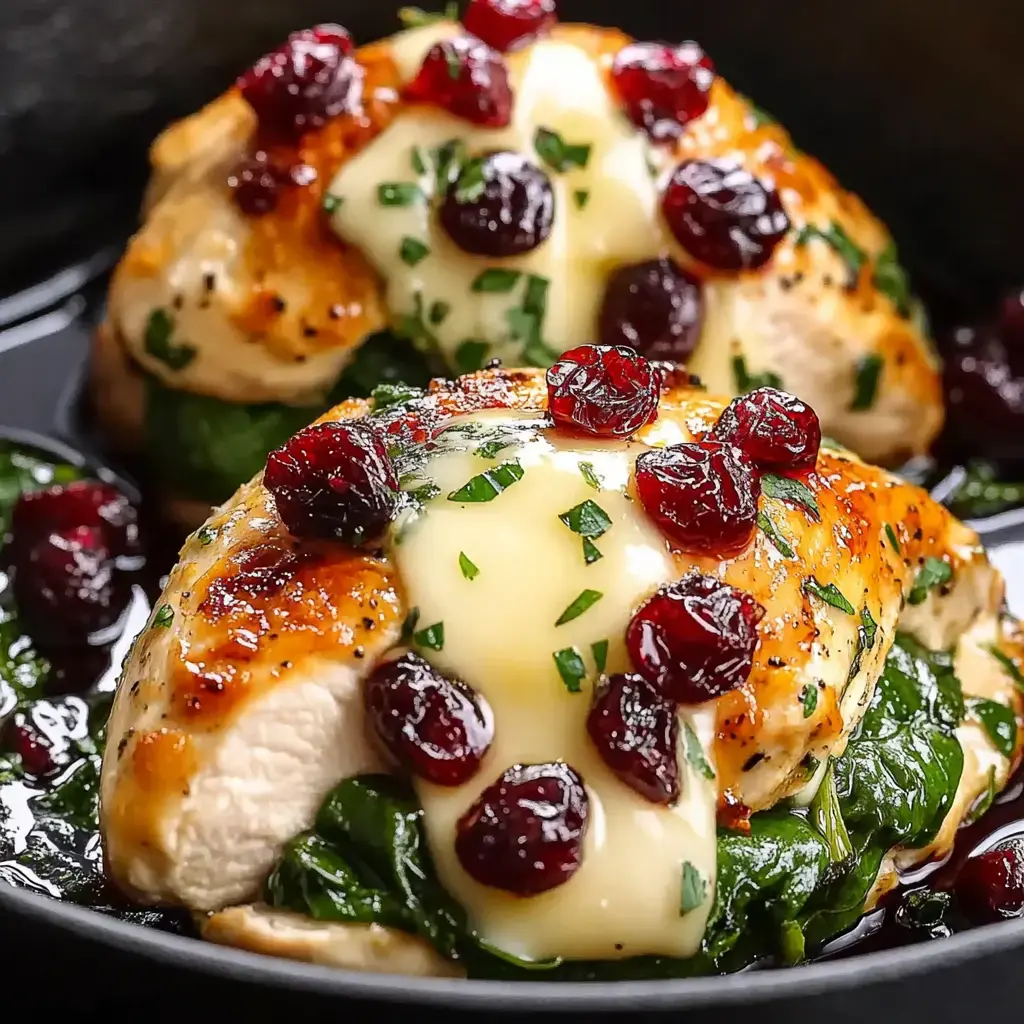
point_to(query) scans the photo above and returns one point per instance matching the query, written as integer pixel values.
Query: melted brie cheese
(500, 635)
(557, 86)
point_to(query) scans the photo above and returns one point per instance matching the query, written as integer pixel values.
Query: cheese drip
(500, 635)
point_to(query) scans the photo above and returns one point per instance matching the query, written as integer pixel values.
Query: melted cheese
(557, 86)
(500, 633)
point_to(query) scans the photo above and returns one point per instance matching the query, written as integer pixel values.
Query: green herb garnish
(868, 374)
(164, 616)
(894, 541)
(495, 279)
(469, 569)
(695, 753)
(399, 193)
(526, 322)
(471, 355)
(439, 312)
(331, 203)
(419, 164)
(412, 251)
(431, 636)
(384, 396)
(934, 573)
(588, 474)
(157, 341)
(569, 663)
(558, 154)
(488, 485)
(829, 594)
(844, 246)
(998, 721)
(416, 17)
(470, 183)
(746, 381)
(796, 492)
(809, 699)
(206, 535)
(591, 552)
(771, 531)
(695, 889)
(581, 197)
(587, 519)
(892, 281)
(599, 650)
(866, 632)
(586, 599)
(1012, 668)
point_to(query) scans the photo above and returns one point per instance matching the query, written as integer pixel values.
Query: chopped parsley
(1012, 668)
(695, 753)
(829, 594)
(998, 721)
(412, 251)
(868, 374)
(894, 541)
(419, 165)
(331, 203)
(526, 323)
(470, 183)
(584, 600)
(843, 245)
(796, 492)
(581, 197)
(495, 279)
(398, 193)
(468, 567)
(424, 491)
(449, 160)
(891, 280)
(866, 633)
(488, 485)
(934, 573)
(415, 17)
(591, 552)
(451, 58)
(431, 636)
(771, 531)
(809, 699)
(386, 395)
(439, 312)
(590, 521)
(159, 329)
(558, 154)
(569, 663)
(412, 327)
(599, 649)
(695, 889)
(746, 381)
(164, 616)
(409, 625)
(588, 474)
(206, 535)
(471, 355)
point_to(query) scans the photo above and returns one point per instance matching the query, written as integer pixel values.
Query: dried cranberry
(256, 184)
(508, 24)
(773, 427)
(990, 886)
(722, 215)
(82, 503)
(664, 87)
(694, 639)
(500, 205)
(309, 79)
(525, 832)
(25, 741)
(67, 585)
(655, 307)
(47, 735)
(603, 390)
(636, 731)
(468, 79)
(434, 726)
(702, 495)
(334, 480)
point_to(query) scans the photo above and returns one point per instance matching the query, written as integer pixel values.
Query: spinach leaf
(998, 721)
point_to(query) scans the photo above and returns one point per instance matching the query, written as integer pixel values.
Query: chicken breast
(240, 705)
(271, 307)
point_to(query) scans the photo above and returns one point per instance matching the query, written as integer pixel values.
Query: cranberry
(664, 87)
(722, 215)
(655, 307)
(990, 887)
(702, 495)
(255, 184)
(25, 741)
(636, 732)
(695, 639)
(82, 503)
(603, 390)
(47, 735)
(435, 726)
(468, 79)
(309, 79)
(500, 205)
(508, 24)
(334, 480)
(525, 832)
(66, 584)
(773, 427)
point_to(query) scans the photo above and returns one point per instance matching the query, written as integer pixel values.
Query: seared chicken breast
(270, 305)
(242, 704)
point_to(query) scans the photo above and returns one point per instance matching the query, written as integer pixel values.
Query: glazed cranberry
(256, 185)
(695, 639)
(636, 732)
(500, 205)
(46, 735)
(309, 79)
(468, 79)
(508, 24)
(990, 886)
(67, 585)
(334, 480)
(773, 427)
(602, 390)
(25, 741)
(722, 215)
(435, 726)
(82, 503)
(664, 87)
(702, 495)
(525, 832)
(655, 307)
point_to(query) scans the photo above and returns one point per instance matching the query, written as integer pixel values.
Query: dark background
(917, 105)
